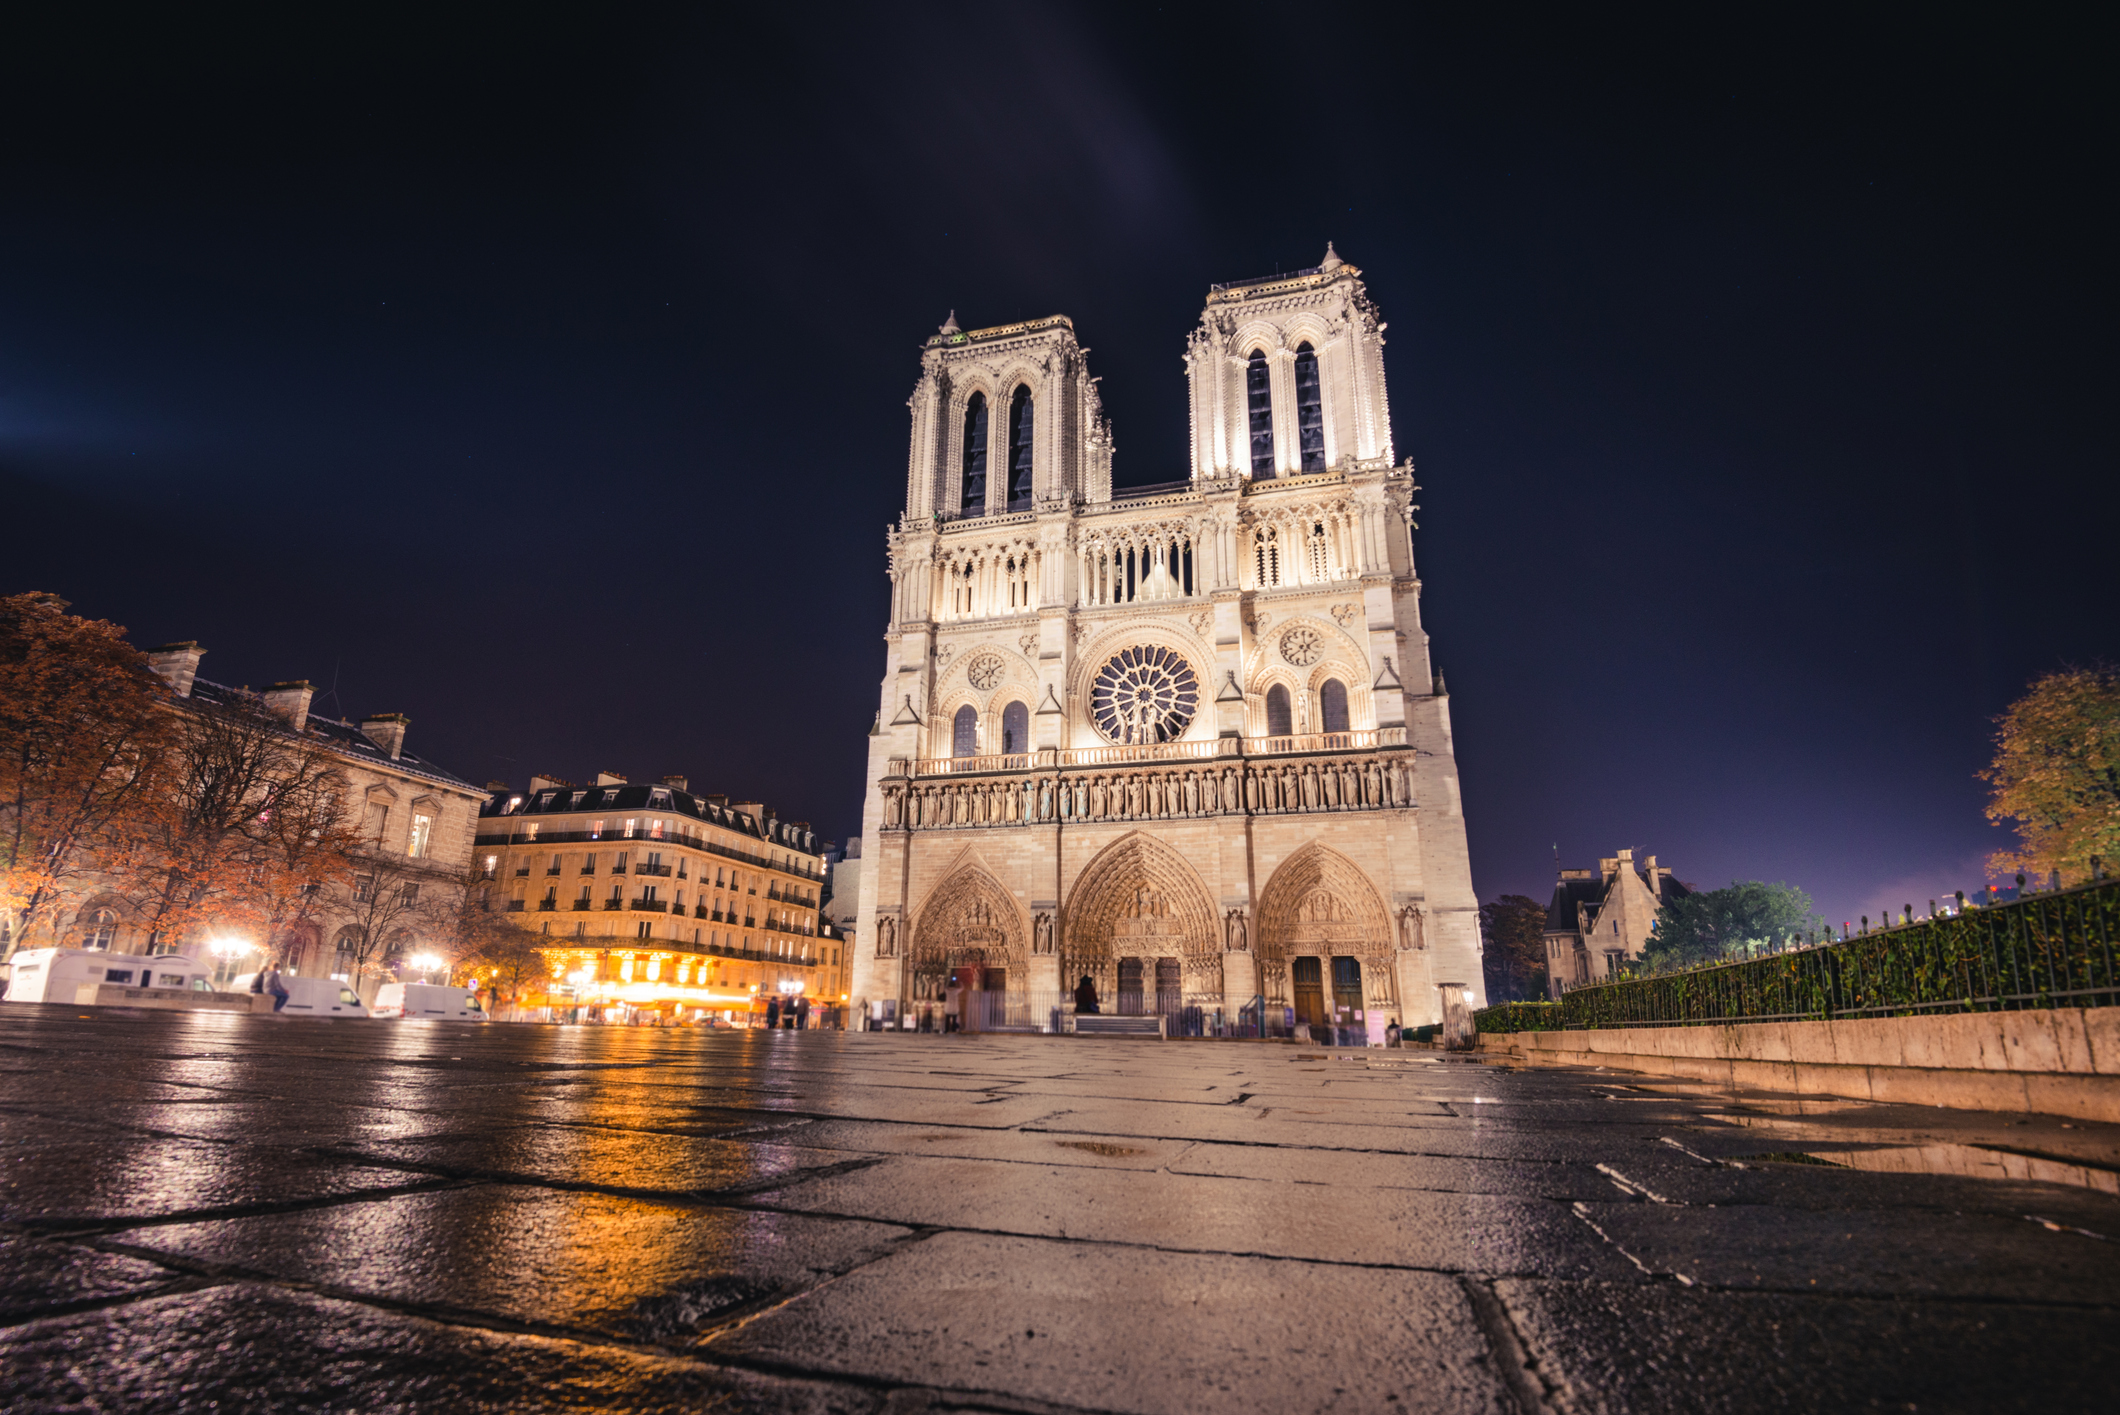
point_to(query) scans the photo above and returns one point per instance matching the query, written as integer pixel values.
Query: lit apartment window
(596, 830)
(530, 830)
(422, 833)
(632, 827)
(655, 829)
(493, 864)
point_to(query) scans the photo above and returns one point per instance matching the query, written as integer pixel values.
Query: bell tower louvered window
(1310, 410)
(1019, 450)
(1258, 399)
(974, 502)
(1280, 722)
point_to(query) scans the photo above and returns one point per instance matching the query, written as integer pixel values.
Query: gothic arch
(968, 918)
(1320, 903)
(1139, 898)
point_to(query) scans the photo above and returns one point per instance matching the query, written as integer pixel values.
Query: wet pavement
(233, 1213)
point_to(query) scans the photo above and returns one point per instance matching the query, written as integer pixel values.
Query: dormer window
(973, 502)
(1310, 410)
(1258, 401)
(659, 796)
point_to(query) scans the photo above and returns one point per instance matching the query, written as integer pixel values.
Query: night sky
(543, 375)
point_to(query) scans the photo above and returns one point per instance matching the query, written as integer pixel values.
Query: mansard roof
(649, 796)
(345, 738)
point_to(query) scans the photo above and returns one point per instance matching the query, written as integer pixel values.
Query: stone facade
(658, 899)
(1601, 919)
(1182, 740)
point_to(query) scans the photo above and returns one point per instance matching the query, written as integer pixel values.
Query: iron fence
(2039, 951)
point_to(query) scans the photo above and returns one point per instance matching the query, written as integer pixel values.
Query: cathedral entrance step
(1099, 1026)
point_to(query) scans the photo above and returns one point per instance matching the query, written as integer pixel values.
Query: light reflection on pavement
(244, 1213)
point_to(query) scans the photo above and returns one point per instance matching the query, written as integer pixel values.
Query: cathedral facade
(1182, 740)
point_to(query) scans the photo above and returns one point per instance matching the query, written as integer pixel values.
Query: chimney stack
(178, 664)
(290, 701)
(549, 783)
(387, 731)
(681, 783)
(609, 778)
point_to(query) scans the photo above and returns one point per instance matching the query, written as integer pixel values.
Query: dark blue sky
(542, 375)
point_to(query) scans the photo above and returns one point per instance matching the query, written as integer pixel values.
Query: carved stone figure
(1412, 931)
(1042, 934)
(886, 937)
(1237, 941)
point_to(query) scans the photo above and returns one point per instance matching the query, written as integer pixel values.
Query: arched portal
(1143, 929)
(1323, 933)
(969, 954)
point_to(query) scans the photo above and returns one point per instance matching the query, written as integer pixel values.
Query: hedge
(2047, 950)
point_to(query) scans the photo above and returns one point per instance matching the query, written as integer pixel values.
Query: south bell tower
(1182, 740)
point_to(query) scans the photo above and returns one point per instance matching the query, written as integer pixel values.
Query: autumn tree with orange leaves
(2056, 775)
(85, 740)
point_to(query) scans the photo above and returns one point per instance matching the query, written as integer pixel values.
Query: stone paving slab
(233, 1213)
(1190, 1333)
(247, 1348)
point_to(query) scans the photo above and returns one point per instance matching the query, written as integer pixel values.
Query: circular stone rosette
(1144, 695)
(985, 672)
(1301, 647)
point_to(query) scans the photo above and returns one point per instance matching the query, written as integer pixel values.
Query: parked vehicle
(54, 974)
(312, 997)
(428, 1002)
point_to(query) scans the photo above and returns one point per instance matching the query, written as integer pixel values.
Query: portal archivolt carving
(1139, 899)
(1319, 903)
(968, 919)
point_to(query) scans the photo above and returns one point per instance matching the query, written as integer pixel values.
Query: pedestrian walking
(772, 1014)
(1392, 1033)
(802, 1014)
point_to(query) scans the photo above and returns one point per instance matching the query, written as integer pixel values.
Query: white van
(312, 997)
(428, 1002)
(56, 974)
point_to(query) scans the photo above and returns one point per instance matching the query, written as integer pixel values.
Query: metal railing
(2043, 951)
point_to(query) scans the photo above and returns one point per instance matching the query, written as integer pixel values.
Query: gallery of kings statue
(1183, 741)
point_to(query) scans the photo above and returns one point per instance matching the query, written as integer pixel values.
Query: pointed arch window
(1310, 409)
(1019, 449)
(1332, 706)
(964, 732)
(1258, 400)
(1015, 729)
(1279, 721)
(974, 501)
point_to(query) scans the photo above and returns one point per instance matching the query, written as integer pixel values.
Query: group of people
(793, 1014)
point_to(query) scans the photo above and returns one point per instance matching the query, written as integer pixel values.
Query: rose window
(1301, 646)
(1144, 695)
(985, 672)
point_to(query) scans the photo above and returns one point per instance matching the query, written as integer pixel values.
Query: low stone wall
(2064, 1061)
(169, 999)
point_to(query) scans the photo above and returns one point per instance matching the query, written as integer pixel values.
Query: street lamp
(428, 964)
(227, 950)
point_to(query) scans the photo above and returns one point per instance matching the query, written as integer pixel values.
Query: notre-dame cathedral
(1181, 740)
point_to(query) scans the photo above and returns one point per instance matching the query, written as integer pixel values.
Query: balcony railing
(547, 905)
(553, 871)
(662, 871)
(515, 906)
(614, 904)
(584, 904)
(1197, 750)
(652, 906)
(797, 865)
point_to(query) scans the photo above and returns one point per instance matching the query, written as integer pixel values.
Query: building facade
(1600, 919)
(1181, 740)
(655, 899)
(414, 819)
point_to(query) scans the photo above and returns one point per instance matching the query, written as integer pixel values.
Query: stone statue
(1412, 931)
(1238, 942)
(886, 937)
(1042, 934)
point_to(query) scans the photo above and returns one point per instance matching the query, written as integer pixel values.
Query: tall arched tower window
(1015, 729)
(1279, 721)
(1019, 449)
(964, 732)
(1310, 410)
(1332, 705)
(974, 502)
(1258, 398)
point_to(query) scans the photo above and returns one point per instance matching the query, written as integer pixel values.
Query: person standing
(1085, 997)
(772, 1014)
